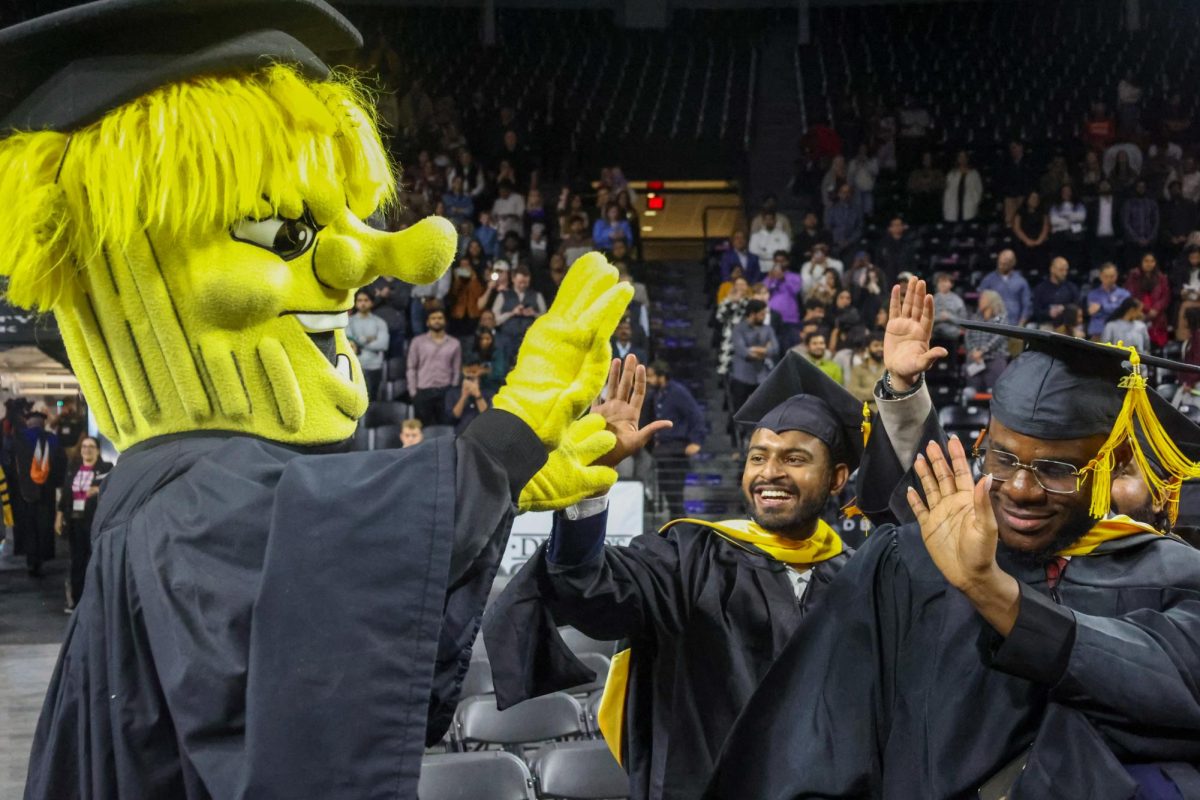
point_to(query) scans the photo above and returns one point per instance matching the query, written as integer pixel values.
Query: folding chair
(578, 771)
(477, 721)
(470, 776)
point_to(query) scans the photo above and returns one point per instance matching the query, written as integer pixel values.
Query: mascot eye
(286, 238)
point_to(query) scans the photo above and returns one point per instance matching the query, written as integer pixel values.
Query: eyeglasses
(1056, 477)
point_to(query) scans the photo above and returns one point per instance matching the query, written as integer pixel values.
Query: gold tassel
(866, 423)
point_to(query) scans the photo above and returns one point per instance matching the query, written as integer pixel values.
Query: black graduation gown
(264, 623)
(705, 618)
(901, 690)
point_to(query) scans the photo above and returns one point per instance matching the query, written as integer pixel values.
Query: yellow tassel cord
(1137, 412)
(866, 423)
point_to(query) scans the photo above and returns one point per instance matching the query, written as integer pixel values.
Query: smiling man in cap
(1019, 638)
(704, 607)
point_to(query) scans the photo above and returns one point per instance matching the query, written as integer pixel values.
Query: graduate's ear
(838, 478)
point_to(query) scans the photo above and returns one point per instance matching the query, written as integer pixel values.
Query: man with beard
(1018, 639)
(703, 607)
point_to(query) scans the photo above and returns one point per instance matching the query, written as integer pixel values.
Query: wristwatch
(889, 393)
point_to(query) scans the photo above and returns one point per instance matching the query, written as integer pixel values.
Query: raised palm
(622, 411)
(906, 350)
(956, 518)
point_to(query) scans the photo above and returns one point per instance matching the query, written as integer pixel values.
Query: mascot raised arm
(184, 186)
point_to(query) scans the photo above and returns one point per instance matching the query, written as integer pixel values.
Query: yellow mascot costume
(184, 186)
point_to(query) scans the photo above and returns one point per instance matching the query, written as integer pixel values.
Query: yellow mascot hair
(188, 156)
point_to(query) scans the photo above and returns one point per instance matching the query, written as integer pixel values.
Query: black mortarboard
(1061, 387)
(67, 69)
(797, 396)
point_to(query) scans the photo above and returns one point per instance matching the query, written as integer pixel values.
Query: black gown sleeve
(885, 476)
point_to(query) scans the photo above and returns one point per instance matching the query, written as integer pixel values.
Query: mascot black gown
(184, 187)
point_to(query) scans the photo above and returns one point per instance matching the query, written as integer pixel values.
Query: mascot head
(185, 190)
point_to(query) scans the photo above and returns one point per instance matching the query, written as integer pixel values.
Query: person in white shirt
(770, 238)
(963, 192)
(811, 272)
(862, 172)
(1189, 179)
(508, 210)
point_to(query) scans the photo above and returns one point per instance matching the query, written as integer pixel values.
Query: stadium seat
(540, 719)
(384, 412)
(472, 776)
(578, 771)
(438, 431)
(967, 423)
(385, 437)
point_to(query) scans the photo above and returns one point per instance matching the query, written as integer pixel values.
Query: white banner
(626, 504)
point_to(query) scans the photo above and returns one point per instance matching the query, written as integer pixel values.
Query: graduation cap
(797, 396)
(67, 69)
(1061, 387)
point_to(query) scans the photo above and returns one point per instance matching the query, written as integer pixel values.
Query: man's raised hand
(622, 411)
(906, 350)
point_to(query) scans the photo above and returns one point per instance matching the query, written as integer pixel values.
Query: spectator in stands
(412, 433)
(812, 271)
(866, 370)
(850, 346)
(1129, 98)
(1159, 165)
(637, 309)
(825, 290)
(1104, 300)
(1012, 287)
(539, 250)
(925, 186)
(499, 281)
(726, 287)
(769, 239)
(488, 235)
(1185, 285)
(462, 410)
(963, 192)
(1052, 296)
(481, 262)
(434, 366)
(1127, 327)
(809, 236)
(1103, 243)
(739, 254)
(1055, 177)
(470, 173)
(1188, 176)
(513, 251)
(1140, 220)
(1179, 218)
(79, 496)
(1014, 180)
(1149, 285)
(870, 292)
(466, 290)
(987, 353)
(1091, 173)
(1122, 174)
(845, 317)
(1099, 129)
(368, 335)
(948, 305)
(1068, 219)
(755, 351)
(623, 342)
(515, 311)
(896, 250)
(392, 303)
(771, 204)
(862, 172)
(488, 353)
(916, 124)
(458, 204)
(835, 177)
(815, 318)
(612, 226)
(672, 401)
(814, 350)
(844, 221)
(1031, 226)
(784, 286)
(549, 279)
(508, 209)
(730, 312)
(577, 241)
(517, 154)
(535, 211)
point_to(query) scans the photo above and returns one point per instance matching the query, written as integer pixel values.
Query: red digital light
(654, 186)
(655, 203)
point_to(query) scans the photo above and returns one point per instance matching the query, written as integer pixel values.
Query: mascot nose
(349, 254)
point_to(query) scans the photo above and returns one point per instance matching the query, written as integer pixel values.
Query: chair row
(562, 771)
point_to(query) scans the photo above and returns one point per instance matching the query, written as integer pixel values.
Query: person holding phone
(76, 507)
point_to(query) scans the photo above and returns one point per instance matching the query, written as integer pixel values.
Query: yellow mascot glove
(567, 477)
(564, 360)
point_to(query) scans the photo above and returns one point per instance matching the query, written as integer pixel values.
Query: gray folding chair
(470, 776)
(578, 771)
(477, 721)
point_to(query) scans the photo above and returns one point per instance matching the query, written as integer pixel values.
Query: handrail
(704, 219)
